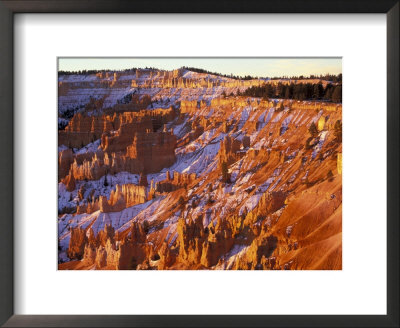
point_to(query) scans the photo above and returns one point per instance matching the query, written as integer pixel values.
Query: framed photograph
(199, 164)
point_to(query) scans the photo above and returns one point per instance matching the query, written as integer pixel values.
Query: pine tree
(143, 180)
(328, 92)
(264, 97)
(224, 171)
(330, 176)
(318, 91)
(338, 130)
(287, 92)
(268, 90)
(337, 94)
(279, 89)
(181, 201)
(313, 130)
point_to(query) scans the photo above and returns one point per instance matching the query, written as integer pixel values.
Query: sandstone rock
(321, 123)
(148, 153)
(122, 197)
(77, 243)
(228, 151)
(89, 256)
(101, 258)
(167, 257)
(339, 163)
(81, 192)
(246, 141)
(267, 178)
(69, 182)
(65, 159)
(107, 233)
(275, 200)
(137, 233)
(106, 251)
(204, 246)
(174, 182)
(190, 240)
(261, 247)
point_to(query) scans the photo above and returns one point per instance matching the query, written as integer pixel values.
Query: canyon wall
(128, 143)
(265, 192)
(121, 197)
(172, 182)
(82, 129)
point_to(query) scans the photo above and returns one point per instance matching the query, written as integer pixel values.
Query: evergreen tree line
(300, 91)
(83, 72)
(95, 71)
(327, 77)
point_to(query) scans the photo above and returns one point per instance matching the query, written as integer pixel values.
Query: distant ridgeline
(327, 77)
(294, 87)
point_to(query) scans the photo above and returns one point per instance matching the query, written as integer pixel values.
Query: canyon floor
(173, 170)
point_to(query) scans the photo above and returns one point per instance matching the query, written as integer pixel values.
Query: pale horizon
(260, 67)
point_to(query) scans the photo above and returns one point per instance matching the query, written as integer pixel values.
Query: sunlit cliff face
(172, 170)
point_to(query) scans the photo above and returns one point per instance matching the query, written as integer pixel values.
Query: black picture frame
(7, 130)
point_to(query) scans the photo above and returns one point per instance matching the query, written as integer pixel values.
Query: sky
(261, 67)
